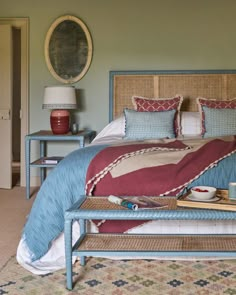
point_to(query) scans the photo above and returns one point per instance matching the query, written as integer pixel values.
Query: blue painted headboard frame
(113, 74)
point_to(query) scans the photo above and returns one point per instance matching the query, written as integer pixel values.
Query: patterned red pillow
(213, 104)
(144, 104)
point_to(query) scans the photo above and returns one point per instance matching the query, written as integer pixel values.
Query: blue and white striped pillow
(149, 125)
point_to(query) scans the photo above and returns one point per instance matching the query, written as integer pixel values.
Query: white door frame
(23, 25)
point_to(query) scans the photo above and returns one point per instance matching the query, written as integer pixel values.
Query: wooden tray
(224, 203)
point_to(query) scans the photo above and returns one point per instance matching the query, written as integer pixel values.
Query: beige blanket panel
(158, 158)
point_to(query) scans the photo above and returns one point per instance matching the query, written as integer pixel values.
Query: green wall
(128, 35)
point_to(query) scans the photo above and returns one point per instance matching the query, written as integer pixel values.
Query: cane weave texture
(101, 203)
(128, 242)
(190, 86)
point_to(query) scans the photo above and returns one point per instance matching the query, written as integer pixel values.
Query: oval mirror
(68, 49)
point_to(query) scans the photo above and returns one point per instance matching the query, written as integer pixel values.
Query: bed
(168, 132)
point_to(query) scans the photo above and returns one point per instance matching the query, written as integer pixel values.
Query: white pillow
(190, 123)
(115, 127)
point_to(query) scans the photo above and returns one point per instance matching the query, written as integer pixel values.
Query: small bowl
(203, 192)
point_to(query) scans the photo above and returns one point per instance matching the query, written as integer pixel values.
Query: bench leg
(68, 252)
(82, 224)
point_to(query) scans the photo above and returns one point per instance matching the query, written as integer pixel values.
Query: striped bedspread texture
(161, 167)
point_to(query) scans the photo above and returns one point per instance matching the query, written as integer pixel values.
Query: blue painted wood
(27, 165)
(43, 137)
(152, 214)
(68, 251)
(82, 232)
(77, 213)
(155, 253)
(155, 72)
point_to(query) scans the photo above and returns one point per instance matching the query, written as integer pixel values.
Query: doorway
(16, 105)
(20, 82)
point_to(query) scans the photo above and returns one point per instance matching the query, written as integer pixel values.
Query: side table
(43, 136)
(145, 245)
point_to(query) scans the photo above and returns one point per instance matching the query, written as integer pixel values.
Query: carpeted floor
(13, 213)
(114, 277)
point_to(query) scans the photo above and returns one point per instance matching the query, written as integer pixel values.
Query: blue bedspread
(219, 176)
(63, 186)
(66, 183)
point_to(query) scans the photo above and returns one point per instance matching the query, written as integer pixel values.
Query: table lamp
(59, 99)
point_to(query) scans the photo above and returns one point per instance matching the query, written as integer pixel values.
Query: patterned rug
(123, 277)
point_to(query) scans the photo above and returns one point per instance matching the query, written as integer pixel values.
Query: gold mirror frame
(68, 35)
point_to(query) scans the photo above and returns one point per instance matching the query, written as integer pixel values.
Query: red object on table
(60, 121)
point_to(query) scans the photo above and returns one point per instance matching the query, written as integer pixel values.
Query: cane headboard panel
(208, 84)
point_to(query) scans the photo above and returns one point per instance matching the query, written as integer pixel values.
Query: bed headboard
(213, 84)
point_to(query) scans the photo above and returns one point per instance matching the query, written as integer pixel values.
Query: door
(6, 106)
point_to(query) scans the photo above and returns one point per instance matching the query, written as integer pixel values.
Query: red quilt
(167, 179)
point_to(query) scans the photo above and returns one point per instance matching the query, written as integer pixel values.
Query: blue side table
(43, 136)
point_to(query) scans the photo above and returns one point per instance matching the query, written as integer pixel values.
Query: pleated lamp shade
(59, 99)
